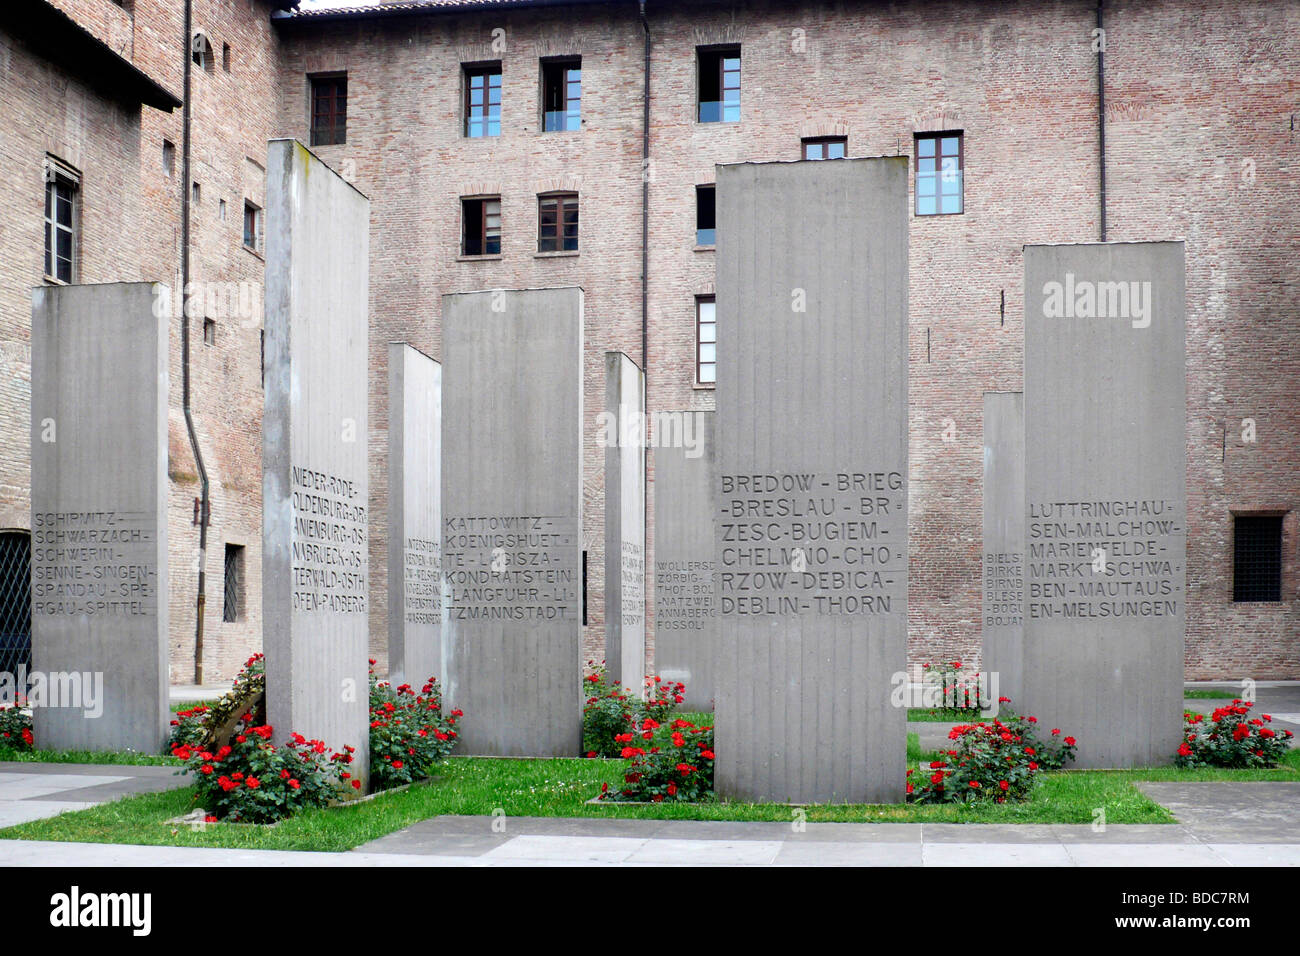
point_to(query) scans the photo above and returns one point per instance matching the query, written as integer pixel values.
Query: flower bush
(996, 761)
(668, 762)
(1230, 737)
(610, 710)
(253, 781)
(201, 725)
(408, 732)
(15, 728)
(948, 686)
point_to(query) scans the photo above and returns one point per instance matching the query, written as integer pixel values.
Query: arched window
(15, 601)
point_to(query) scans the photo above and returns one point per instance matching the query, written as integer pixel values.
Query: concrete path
(31, 791)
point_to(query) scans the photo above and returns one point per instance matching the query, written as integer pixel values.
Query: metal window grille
(1257, 558)
(233, 583)
(15, 601)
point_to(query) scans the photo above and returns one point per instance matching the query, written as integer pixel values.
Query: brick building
(1199, 117)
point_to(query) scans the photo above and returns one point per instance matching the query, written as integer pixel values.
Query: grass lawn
(128, 757)
(1210, 693)
(560, 788)
(941, 715)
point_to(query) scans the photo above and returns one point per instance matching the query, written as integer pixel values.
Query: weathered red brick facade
(1201, 103)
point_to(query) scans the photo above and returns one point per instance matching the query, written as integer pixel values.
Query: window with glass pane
(557, 223)
(939, 162)
(706, 215)
(719, 85)
(826, 147)
(706, 341)
(60, 227)
(481, 226)
(561, 96)
(329, 109)
(483, 101)
(252, 226)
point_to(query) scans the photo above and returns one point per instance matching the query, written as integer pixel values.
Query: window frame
(233, 611)
(700, 343)
(258, 218)
(336, 133)
(483, 201)
(822, 141)
(561, 199)
(721, 51)
(938, 157)
(59, 175)
(468, 72)
(563, 64)
(699, 188)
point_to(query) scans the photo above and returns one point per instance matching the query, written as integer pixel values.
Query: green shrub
(1230, 737)
(611, 710)
(15, 728)
(667, 762)
(408, 732)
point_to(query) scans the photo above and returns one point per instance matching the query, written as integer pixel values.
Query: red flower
(1069, 741)
(975, 784)
(254, 783)
(1184, 750)
(294, 784)
(356, 784)
(1003, 785)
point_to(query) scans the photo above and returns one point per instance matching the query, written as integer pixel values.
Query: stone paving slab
(1217, 812)
(34, 791)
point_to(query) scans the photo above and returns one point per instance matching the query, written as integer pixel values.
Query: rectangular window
(706, 340)
(557, 222)
(232, 607)
(209, 332)
(1257, 558)
(825, 147)
(719, 84)
(252, 226)
(561, 95)
(480, 226)
(329, 109)
(62, 184)
(169, 157)
(225, 57)
(706, 227)
(483, 100)
(939, 172)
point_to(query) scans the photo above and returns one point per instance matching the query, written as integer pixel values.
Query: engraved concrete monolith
(315, 486)
(686, 618)
(1004, 543)
(99, 520)
(414, 516)
(1105, 497)
(811, 491)
(624, 434)
(512, 518)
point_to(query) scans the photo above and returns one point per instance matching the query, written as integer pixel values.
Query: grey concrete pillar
(1004, 543)
(1105, 496)
(811, 495)
(512, 518)
(315, 482)
(414, 516)
(625, 522)
(99, 518)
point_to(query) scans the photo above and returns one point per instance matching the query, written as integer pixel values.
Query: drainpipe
(185, 346)
(1101, 110)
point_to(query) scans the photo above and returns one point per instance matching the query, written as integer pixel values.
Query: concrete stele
(512, 518)
(1105, 497)
(99, 521)
(315, 485)
(625, 522)
(811, 493)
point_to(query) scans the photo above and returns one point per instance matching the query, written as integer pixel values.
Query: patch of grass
(560, 788)
(1209, 693)
(942, 715)
(128, 757)
(180, 705)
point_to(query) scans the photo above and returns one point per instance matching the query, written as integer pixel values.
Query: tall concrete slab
(315, 486)
(686, 614)
(1004, 542)
(414, 516)
(811, 492)
(1105, 497)
(625, 571)
(512, 518)
(99, 520)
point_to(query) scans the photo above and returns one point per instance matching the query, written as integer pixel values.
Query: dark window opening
(483, 100)
(209, 332)
(232, 607)
(169, 157)
(252, 226)
(1257, 558)
(201, 51)
(719, 85)
(584, 589)
(826, 147)
(225, 57)
(940, 163)
(706, 227)
(480, 226)
(561, 96)
(557, 223)
(329, 109)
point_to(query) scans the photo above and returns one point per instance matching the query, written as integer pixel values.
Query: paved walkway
(31, 791)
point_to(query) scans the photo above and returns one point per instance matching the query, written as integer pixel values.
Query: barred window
(232, 607)
(1257, 558)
